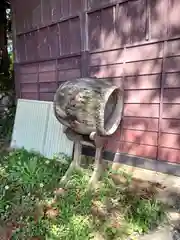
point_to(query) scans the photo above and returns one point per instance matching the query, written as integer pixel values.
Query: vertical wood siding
(135, 42)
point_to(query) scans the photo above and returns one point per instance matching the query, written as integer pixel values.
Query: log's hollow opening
(113, 111)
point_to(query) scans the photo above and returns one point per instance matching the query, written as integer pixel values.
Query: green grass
(28, 199)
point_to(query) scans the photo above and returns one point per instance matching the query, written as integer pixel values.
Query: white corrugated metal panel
(30, 125)
(36, 128)
(56, 141)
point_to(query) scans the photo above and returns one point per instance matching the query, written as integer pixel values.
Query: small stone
(59, 192)
(174, 216)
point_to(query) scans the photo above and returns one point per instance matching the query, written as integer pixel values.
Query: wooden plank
(171, 111)
(19, 16)
(65, 8)
(48, 87)
(173, 18)
(53, 41)
(100, 3)
(27, 17)
(141, 110)
(68, 74)
(107, 71)
(75, 35)
(140, 137)
(47, 76)
(170, 126)
(136, 12)
(143, 67)
(139, 150)
(76, 6)
(36, 13)
(85, 56)
(107, 57)
(173, 47)
(142, 96)
(20, 48)
(65, 38)
(46, 96)
(132, 149)
(172, 80)
(56, 10)
(30, 68)
(31, 40)
(28, 78)
(47, 66)
(46, 12)
(122, 30)
(158, 19)
(171, 95)
(168, 140)
(68, 63)
(43, 45)
(172, 64)
(107, 28)
(29, 87)
(94, 30)
(142, 82)
(170, 155)
(137, 123)
(30, 96)
(144, 52)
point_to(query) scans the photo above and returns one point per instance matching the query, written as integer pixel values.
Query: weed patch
(32, 200)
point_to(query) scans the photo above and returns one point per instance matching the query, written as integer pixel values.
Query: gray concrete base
(163, 234)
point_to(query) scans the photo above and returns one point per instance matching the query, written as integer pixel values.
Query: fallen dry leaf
(52, 213)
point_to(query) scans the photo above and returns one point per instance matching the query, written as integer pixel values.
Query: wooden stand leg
(77, 154)
(75, 164)
(98, 167)
(94, 140)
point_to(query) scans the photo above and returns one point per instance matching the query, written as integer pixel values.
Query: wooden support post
(98, 167)
(77, 154)
(75, 164)
(99, 143)
(95, 141)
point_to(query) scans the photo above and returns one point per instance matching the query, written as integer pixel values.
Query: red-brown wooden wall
(135, 42)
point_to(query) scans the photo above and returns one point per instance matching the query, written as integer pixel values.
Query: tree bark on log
(89, 105)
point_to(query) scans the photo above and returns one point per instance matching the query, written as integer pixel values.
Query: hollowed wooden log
(89, 105)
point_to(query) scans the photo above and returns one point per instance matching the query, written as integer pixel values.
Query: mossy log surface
(89, 105)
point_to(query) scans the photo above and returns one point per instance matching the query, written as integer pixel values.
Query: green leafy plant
(7, 90)
(31, 197)
(144, 214)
